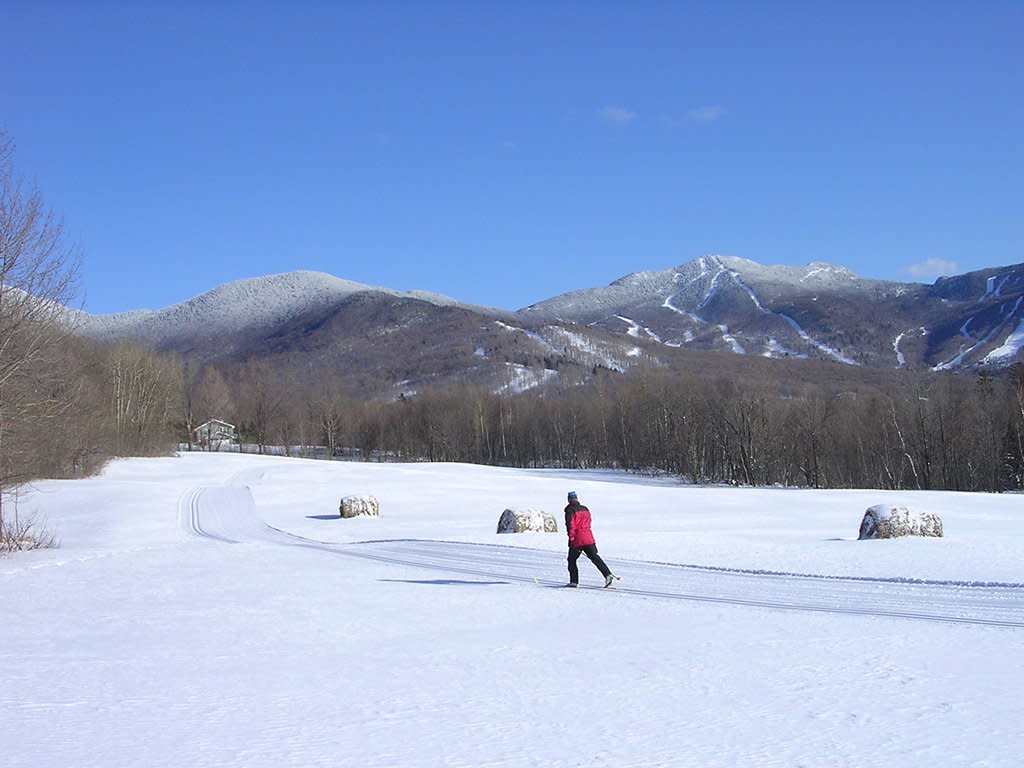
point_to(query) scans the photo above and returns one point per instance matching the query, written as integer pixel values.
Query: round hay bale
(521, 520)
(356, 505)
(884, 521)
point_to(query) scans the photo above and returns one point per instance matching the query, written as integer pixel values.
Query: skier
(581, 541)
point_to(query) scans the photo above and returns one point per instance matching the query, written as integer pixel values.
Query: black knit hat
(573, 496)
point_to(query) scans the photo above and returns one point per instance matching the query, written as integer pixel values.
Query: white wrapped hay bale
(520, 520)
(884, 521)
(356, 505)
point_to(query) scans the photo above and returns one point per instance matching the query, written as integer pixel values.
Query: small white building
(213, 434)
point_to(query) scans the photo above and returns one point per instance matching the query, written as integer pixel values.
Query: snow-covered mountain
(713, 304)
(243, 305)
(311, 320)
(816, 311)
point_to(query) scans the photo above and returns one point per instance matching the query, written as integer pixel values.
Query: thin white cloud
(708, 114)
(930, 269)
(617, 114)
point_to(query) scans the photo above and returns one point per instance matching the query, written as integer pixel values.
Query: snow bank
(201, 613)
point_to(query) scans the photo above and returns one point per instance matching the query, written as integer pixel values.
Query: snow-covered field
(212, 610)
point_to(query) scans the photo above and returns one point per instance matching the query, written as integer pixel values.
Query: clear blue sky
(506, 152)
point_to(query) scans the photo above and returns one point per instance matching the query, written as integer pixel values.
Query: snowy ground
(212, 610)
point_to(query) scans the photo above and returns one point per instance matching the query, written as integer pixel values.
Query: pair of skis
(609, 583)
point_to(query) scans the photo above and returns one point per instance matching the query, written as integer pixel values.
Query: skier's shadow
(446, 582)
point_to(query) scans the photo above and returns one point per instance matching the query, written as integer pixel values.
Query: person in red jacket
(581, 541)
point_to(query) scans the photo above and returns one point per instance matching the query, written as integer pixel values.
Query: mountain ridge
(817, 310)
(256, 301)
(714, 304)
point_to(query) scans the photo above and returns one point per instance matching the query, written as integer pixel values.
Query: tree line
(921, 431)
(80, 403)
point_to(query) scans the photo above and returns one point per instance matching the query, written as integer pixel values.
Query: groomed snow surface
(213, 610)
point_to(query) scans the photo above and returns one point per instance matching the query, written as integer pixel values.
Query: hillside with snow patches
(817, 311)
(409, 339)
(725, 303)
(716, 304)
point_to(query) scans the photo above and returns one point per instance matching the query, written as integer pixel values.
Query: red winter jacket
(577, 525)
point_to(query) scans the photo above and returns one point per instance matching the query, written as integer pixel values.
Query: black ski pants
(591, 552)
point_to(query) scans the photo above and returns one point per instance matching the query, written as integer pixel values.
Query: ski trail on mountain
(227, 515)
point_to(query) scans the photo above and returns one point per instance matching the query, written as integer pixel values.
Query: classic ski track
(189, 516)
(983, 604)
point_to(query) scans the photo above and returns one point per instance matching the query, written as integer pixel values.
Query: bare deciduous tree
(261, 395)
(142, 399)
(38, 271)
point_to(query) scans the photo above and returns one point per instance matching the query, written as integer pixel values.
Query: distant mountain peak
(739, 306)
(255, 302)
